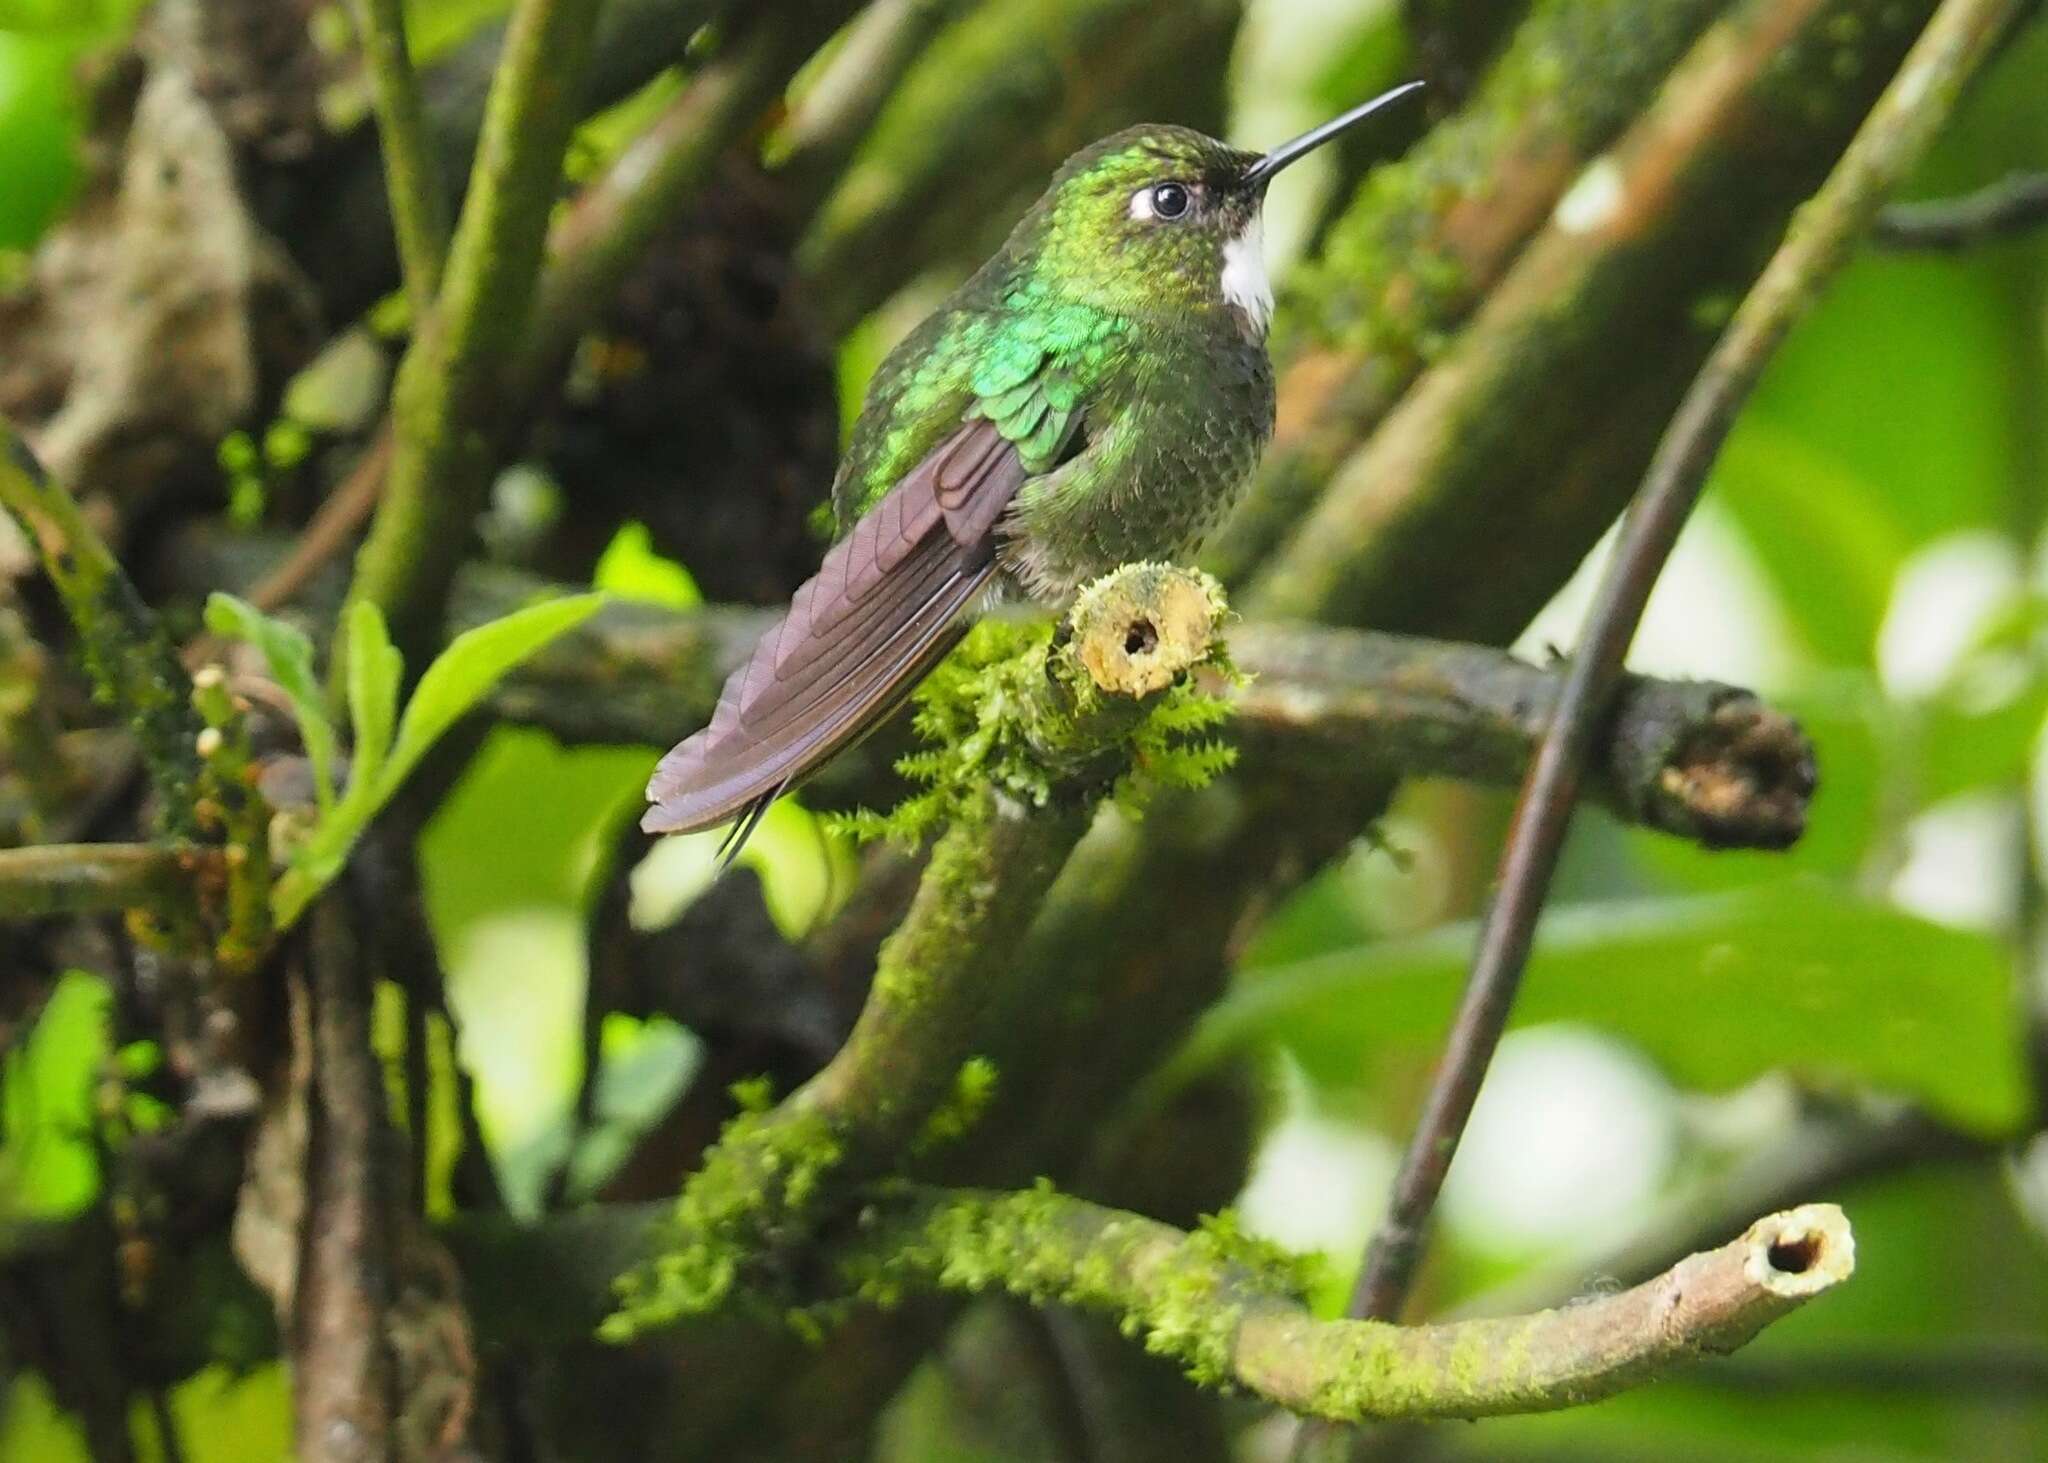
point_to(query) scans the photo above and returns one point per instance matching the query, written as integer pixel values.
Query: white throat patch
(1245, 282)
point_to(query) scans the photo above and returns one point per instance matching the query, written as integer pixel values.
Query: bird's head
(1158, 219)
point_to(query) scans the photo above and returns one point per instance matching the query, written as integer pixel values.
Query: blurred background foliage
(1869, 556)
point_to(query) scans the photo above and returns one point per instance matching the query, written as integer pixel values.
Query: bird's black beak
(1261, 172)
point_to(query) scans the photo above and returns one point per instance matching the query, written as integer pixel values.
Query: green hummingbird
(1097, 393)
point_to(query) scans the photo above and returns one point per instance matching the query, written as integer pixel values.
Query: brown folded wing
(883, 608)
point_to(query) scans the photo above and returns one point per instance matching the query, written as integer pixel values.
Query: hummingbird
(1097, 393)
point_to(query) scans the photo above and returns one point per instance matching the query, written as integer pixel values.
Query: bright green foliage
(974, 1088)
(766, 1166)
(48, 1167)
(631, 569)
(460, 677)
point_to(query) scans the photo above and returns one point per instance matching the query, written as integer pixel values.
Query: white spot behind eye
(1141, 205)
(1245, 281)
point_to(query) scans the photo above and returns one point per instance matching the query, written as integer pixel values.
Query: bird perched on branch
(1097, 393)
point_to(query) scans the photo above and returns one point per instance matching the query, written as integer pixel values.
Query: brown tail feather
(881, 611)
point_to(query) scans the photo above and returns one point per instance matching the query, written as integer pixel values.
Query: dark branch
(1998, 211)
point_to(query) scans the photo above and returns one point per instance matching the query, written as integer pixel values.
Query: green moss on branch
(1224, 1307)
(125, 650)
(770, 1179)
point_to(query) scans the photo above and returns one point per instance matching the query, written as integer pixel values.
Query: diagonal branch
(1895, 135)
(772, 1174)
(412, 177)
(445, 401)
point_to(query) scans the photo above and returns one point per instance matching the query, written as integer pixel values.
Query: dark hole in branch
(1794, 1255)
(1141, 638)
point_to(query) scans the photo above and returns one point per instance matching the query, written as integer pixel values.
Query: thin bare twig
(1894, 136)
(333, 524)
(88, 878)
(412, 178)
(1997, 211)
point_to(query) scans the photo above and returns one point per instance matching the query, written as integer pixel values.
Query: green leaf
(376, 667)
(49, 1166)
(1813, 522)
(473, 663)
(289, 655)
(458, 679)
(1801, 975)
(631, 569)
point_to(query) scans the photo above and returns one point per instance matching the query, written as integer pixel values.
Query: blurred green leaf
(630, 568)
(289, 655)
(436, 27)
(474, 662)
(39, 124)
(376, 668)
(1827, 537)
(1800, 976)
(48, 1167)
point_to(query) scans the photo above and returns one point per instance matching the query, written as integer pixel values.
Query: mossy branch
(1054, 731)
(125, 649)
(446, 399)
(1224, 1307)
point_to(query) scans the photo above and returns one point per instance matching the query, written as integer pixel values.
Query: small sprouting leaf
(631, 569)
(375, 669)
(474, 662)
(462, 675)
(289, 655)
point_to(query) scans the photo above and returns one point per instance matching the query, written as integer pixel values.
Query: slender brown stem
(343, 1377)
(1895, 135)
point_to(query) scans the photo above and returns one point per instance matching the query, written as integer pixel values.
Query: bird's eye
(1169, 200)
